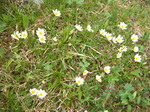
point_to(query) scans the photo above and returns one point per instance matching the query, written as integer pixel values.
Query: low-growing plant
(74, 55)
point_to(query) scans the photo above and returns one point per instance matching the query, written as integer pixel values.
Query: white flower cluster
(18, 35)
(40, 93)
(81, 81)
(120, 40)
(79, 28)
(109, 36)
(41, 35)
(107, 69)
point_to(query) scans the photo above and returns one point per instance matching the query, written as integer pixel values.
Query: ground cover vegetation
(74, 56)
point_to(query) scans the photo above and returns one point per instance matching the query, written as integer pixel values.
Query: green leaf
(65, 34)
(79, 94)
(135, 74)
(106, 23)
(128, 87)
(47, 66)
(109, 1)
(80, 2)
(125, 101)
(129, 108)
(1, 51)
(17, 67)
(117, 69)
(6, 18)
(107, 15)
(113, 78)
(69, 1)
(134, 94)
(131, 98)
(139, 100)
(8, 63)
(2, 26)
(29, 76)
(114, 14)
(142, 48)
(123, 95)
(25, 21)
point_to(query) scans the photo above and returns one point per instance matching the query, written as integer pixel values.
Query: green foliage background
(26, 63)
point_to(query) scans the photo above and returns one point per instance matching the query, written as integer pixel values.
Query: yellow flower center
(41, 33)
(120, 50)
(106, 69)
(24, 35)
(108, 37)
(102, 33)
(119, 39)
(137, 58)
(16, 36)
(84, 72)
(135, 49)
(33, 91)
(56, 13)
(133, 38)
(40, 94)
(42, 39)
(98, 79)
(79, 82)
(118, 55)
(122, 26)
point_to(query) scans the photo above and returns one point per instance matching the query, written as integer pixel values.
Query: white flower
(119, 39)
(69, 44)
(136, 49)
(137, 58)
(43, 82)
(108, 36)
(42, 39)
(114, 40)
(16, 35)
(85, 111)
(119, 55)
(89, 28)
(55, 39)
(122, 25)
(120, 49)
(79, 80)
(40, 32)
(103, 32)
(41, 93)
(107, 69)
(24, 34)
(123, 48)
(78, 27)
(134, 38)
(56, 12)
(98, 78)
(85, 72)
(106, 111)
(33, 91)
